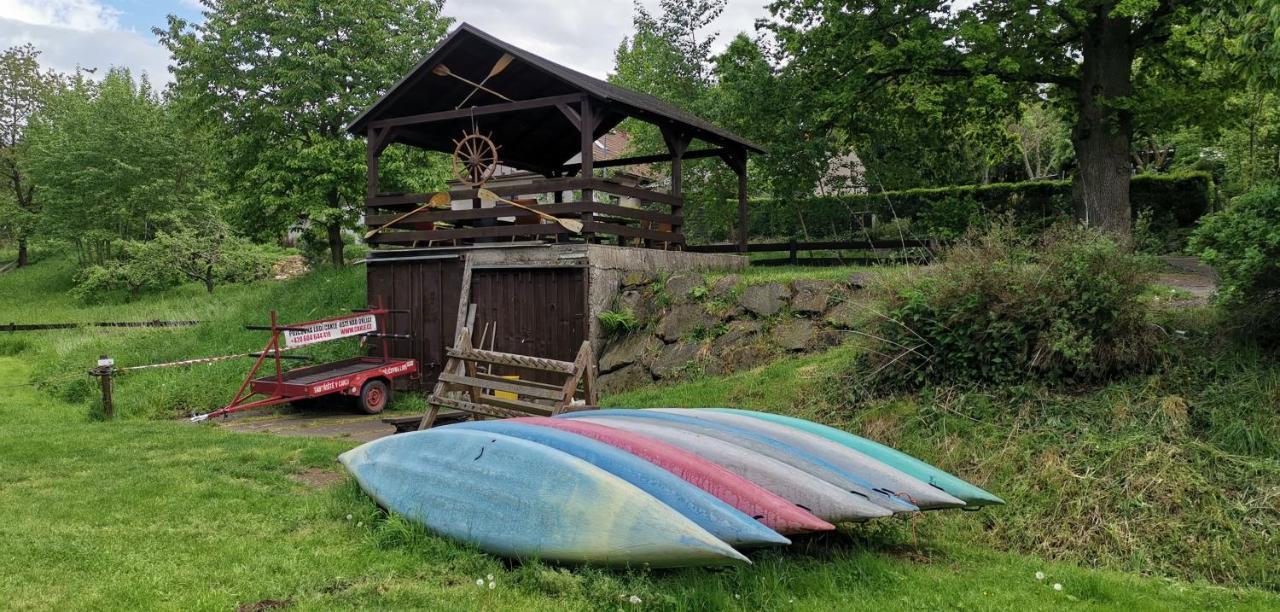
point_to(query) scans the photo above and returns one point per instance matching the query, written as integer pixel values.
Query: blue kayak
(709, 512)
(768, 446)
(517, 498)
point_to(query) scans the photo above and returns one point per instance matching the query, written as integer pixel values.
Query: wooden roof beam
(477, 111)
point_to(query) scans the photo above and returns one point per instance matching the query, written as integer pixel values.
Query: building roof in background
(540, 139)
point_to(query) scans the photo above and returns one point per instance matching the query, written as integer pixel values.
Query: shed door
(539, 312)
(429, 290)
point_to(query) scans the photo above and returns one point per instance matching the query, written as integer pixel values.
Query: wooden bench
(468, 385)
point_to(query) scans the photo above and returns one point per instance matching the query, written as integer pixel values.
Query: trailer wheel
(374, 396)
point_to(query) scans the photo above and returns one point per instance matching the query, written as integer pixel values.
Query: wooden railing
(884, 251)
(601, 221)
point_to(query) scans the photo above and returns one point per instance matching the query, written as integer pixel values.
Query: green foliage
(206, 253)
(618, 323)
(112, 162)
(1063, 309)
(1174, 201)
(278, 80)
(1242, 242)
(24, 90)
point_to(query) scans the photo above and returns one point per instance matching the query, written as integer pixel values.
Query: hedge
(1171, 201)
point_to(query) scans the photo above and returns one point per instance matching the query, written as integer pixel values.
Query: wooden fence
(885, 251)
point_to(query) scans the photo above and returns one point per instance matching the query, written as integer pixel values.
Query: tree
(278, 80)
(112, 163)
(24, 88)
(1042, 138)
(1083, 52)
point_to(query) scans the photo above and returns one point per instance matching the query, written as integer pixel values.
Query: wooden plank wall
(429, 291)
(540, 312)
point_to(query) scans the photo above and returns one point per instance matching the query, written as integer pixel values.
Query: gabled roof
(534, 139)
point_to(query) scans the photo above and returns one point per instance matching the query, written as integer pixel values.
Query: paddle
(436, 201)
(497, 69)
(442, 70)
(569, 224)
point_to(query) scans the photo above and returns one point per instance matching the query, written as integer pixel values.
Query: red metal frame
(280, 390)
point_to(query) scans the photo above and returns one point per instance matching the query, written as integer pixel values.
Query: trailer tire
(374, 396)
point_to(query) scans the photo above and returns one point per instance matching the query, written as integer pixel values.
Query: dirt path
(1190, 275)
(314, 422)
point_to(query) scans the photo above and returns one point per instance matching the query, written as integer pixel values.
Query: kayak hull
(709, 512)
(814, 495)
(969, 493)
(774, 511)
(516, 498)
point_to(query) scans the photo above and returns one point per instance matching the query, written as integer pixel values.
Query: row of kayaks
(658, 487)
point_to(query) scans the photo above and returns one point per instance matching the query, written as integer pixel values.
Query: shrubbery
(1167, 202)
(206, 253)
(1242, 243)
(1062, 308)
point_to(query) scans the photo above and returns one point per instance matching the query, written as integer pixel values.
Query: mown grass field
(147, 511)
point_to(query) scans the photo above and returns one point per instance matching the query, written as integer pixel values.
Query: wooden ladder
(464, 387)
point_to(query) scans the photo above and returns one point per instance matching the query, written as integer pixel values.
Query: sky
(581, 34)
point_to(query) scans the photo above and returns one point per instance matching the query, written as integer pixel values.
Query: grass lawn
(148, 512)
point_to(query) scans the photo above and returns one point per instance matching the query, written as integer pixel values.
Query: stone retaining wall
(684, 326)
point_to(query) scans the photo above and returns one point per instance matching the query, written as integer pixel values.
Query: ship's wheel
(475, 158)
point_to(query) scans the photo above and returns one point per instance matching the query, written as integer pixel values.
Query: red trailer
(368, 380)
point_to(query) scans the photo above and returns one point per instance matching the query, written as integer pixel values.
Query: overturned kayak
(709, 512)
(969, 493)
(813, 494)
(794, 456)
(517, 498)
(874, 471)
(774, 511)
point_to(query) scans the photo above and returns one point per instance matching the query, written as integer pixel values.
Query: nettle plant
(1063, 308)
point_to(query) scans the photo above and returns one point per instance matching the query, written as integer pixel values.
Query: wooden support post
(106, 367)
(677, 144)
(373, 147)
(737, 161)
(792, 257)
(586, 127)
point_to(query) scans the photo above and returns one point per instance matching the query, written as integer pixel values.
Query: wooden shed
(536, 285)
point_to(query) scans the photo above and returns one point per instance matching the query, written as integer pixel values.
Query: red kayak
(753, 500)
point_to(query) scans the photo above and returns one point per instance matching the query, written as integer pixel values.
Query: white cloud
(63, 48)
(81, 15)
(582, 34)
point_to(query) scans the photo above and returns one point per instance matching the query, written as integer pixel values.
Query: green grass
(146, 512)
(759, 275)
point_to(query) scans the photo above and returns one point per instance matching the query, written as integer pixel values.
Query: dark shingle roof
(535, 139)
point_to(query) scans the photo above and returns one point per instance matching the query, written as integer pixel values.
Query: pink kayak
(753, 500)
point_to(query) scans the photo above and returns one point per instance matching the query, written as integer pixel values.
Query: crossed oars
(498, 67)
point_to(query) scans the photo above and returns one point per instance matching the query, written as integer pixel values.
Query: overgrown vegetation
(619, 323)
(1062, 309)
(1242, 243)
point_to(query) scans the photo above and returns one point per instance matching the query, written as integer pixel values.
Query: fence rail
(17, 327)
(898, 251)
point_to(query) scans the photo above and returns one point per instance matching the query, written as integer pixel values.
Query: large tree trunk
(23, 257)
(1102, 133)
(335, 233)
(335, 244)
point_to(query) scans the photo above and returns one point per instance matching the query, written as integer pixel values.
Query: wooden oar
(443, 70)
(497, 69)
(569, 224)
(436, 201)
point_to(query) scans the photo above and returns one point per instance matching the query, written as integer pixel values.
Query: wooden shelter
(536, 286)
(541, 115)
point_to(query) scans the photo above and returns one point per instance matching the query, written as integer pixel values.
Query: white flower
(1039, 575)
(479, 582)
(360, 524)
(348, 517)
(1057, 586)
(489, 577)
(492, 585)
(737, 596)
(634, 599)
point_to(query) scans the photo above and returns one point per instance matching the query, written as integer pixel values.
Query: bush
(1063, 308)
(1170, 202)
(1242, 243)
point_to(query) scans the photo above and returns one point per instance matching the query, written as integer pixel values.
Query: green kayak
(971, 494)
